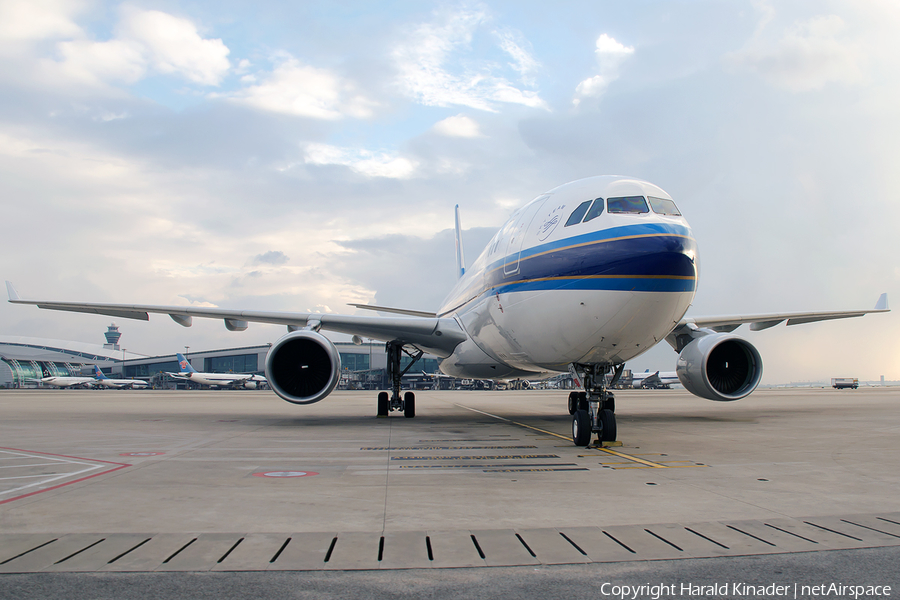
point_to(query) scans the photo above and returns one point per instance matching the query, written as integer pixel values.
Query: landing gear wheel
(573, 402)
(581, 401)
(384, 404)
(409, 405)
(581, 428)
(610, 403)
(608, 421)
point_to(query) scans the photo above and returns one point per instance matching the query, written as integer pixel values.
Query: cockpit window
(596, 210)
(663, 206)
(627, 204)
(578, 213)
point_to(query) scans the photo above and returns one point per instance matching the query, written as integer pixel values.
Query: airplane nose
(652, 263)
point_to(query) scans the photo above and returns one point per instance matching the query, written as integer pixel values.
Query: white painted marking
(285, 474)
(45, 478)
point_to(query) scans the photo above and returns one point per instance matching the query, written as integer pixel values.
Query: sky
(300, 156)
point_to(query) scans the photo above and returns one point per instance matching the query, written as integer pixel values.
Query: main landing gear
(594, 409)
(388, 403)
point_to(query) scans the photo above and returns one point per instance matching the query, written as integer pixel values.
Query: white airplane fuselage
(219, 378)
(545, 294)
(59, 381)
(121, 383)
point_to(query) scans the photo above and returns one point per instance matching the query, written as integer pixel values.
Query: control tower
(112, 337)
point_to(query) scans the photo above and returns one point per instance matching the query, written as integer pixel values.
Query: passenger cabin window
(578, 213)
(663, 206)
(627, 204)
(596, 210)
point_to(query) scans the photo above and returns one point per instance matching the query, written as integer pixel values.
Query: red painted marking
(120, 466)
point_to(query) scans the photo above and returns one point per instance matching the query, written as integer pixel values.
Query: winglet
(882, 303)
(13, 294)
(460, 258)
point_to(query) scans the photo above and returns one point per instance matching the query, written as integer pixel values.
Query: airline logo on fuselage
(550, 222)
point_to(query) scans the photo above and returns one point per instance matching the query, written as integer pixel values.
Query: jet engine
(250, 385)
(303, 367)
(719, 366)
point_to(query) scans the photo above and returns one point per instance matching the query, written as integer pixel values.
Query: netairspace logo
(743, 590)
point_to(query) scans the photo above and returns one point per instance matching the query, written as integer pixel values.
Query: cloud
(432, 70)
(610, 56)
(513, 43)
(33, 20)
(293, 88)
(144, 42)
(174, 46)
(272, 257)
(458, 126)
(365, 162)
(808, 56)
(94, 63)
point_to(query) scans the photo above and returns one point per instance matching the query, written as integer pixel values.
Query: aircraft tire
(608, 420)
(581, 428)
(409, 405)
(573, 402)
(581, 403)
(383, 404)
(610, 403)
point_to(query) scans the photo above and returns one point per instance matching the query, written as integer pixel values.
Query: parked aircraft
(104, 381)
(655, 380)
(61, 381)
(583, 278)
(236, 380)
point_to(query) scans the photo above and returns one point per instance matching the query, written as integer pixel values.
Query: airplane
(658, 380)
(104, 381)
(236, 380)
(61, 381)
(583, 278)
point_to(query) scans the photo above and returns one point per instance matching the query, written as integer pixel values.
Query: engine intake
(303, 367)
(719, 367)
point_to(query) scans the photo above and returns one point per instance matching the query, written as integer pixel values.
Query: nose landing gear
(594, 409)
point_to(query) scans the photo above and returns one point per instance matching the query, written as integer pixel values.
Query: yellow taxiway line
(562, 437)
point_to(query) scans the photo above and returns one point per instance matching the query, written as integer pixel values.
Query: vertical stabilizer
(183, 365)
(98, 374)
(460, 258)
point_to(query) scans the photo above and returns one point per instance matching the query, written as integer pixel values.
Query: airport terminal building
(363, 366)
(26, 358)
(23, 360)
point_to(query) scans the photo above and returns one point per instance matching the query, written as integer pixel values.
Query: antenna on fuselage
(460, 258)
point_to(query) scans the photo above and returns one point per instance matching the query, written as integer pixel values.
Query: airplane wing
(758, 322)
(436, 335)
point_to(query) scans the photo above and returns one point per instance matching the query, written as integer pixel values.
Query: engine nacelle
(719, 366)
(303, 367)
(250, 385)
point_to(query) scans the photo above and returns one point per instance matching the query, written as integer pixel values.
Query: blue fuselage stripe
(653, 257)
